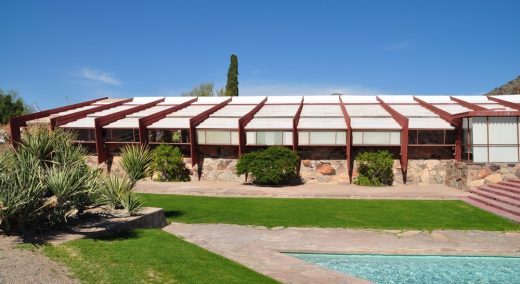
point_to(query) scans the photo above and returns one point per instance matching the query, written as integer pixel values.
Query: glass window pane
(287, 138)
(376, 138)
(234, 138)
(303, 138)
(341, 138)
(451, 136)
(503, 154)
(502, 130)
(269, 138)
(218, 137)
(480, 154)
(412, 137)
(251, 138)
(201, 136)
(479, 130)
(278, 138)
(322, 138)
(431, 137)
(357, 138)
(260, 138)
(395, 138)
(121, 135)
(85, 135)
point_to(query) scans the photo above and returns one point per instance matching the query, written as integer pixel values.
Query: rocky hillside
(509, 88)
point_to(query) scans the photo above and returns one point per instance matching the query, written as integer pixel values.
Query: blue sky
(51, 50)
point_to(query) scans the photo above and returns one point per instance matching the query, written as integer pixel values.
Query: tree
(232, 77)
(11, 105)
(202, 90)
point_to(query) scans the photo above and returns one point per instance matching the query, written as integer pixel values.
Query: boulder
(326, 169)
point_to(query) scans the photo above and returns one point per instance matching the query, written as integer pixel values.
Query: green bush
(375, 168)
(273, 166)
(46, 181)
(135, 160)
(168, 165)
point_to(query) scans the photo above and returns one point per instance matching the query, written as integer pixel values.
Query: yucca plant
(130, 202)
(117, 193)
(135, 160)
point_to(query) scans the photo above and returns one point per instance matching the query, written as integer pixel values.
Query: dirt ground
(26, 266)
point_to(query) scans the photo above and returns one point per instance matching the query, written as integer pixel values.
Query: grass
(148, 256)
(330, 213)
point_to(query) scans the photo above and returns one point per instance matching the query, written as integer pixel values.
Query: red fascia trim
(62, 120)
(504, 103)
(487, 113)
(144, 122)
(19, 121)
(468, 104)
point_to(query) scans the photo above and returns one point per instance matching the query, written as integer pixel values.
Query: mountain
(510, 88)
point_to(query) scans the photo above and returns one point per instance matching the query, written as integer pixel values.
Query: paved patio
(235, 189)
(259, 248)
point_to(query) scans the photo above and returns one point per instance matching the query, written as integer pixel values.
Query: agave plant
(135, 160)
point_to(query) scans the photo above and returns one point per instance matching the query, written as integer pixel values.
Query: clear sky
(55, 51)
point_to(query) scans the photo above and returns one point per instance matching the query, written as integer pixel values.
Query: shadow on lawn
(173, 213)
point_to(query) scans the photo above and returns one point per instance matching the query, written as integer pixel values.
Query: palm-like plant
(135, 160)
(117, 193)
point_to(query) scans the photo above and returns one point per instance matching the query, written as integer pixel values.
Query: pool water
(421, 269)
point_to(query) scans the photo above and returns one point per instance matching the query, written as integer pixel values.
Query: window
(181, 136)
(376, 138)
(217, 137)
(322, 138)
(432, 137)
(491, 139)
(269, 138)
(85, 135)
(122, 135)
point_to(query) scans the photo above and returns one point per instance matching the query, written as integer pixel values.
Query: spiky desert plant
(135, 160)
(117, 193)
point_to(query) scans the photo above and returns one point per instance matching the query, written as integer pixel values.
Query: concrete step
(510, 183)
(498, 191)
(496, 197)
(496, 204)
(493, 210)
(504, 187)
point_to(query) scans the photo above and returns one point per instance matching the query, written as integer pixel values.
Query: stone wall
(465, 176)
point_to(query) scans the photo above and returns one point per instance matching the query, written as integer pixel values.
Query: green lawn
(148, 256)
(332, 213)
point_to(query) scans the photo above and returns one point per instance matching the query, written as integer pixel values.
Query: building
(470, 129)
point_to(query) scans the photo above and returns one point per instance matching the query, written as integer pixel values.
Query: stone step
(496, 197)
(496, 204)
(505, 187)
(492, 209)
(510, 183)
(498, 191)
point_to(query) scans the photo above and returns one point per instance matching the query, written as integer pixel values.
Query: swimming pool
(421, 269)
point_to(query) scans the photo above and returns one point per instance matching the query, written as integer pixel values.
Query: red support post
(350, 166)
(296, 121)
(403, 122)
(242, 122)
(99, 122)
(20, 121)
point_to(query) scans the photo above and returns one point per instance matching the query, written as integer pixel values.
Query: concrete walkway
(235, 189)
(259, 248)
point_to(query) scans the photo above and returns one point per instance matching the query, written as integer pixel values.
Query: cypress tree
(232, 77)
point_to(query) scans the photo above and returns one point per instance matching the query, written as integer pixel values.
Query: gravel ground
(26, 266)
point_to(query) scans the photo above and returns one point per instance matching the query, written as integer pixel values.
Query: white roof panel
(321, 99)
(73, 111)
(233, 111)
(428, 123)
(321, 111)
(510, 98)
(391, 99)
(358, 99)
(277, 111)
(148, 111)
(322, 123)
(284, 100)
(497, 107)
(110, 111)
(175, 100)
(270, 123)
(366, 110)
(171, 123)
(210, 100)
(219, 123)
(246, 100)
(86, 122)
(143, 100)
(190, 111)
(414, 110)
(435, 99)
(374, 123)
(452, 108)
(473, 99)
(129, 122)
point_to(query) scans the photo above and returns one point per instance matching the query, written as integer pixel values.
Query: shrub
(168, 165)
(273, 166)
(135, 160)
(117, 193)
(375, 168)
(45, 182)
